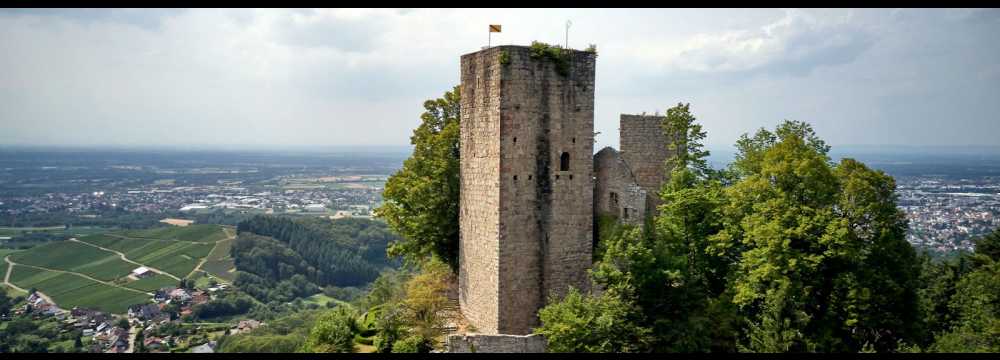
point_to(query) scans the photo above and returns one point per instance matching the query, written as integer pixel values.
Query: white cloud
(359, 76)
(796, 43)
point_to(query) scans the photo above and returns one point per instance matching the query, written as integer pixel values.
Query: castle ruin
(529, 193)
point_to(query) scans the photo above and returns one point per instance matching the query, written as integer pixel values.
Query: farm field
(75, 257)
(69, 290)
(174, 250)
(160, 248)
(176, 258)
(76, 230)
(11, 231)
(198, 233)
(219, 263)
(152, 283)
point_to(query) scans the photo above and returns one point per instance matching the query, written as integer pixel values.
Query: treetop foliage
(421, 199)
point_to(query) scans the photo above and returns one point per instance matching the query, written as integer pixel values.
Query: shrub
(411, 344)
(554, 53)
(504, 57)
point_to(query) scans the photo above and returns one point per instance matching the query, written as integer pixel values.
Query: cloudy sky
(359, 77)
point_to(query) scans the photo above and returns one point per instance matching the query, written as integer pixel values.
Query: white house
(141, 272)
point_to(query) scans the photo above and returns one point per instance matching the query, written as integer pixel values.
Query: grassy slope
(153, 247)
(69, 290)
(219, 262)
(152, 283)
(75, 257)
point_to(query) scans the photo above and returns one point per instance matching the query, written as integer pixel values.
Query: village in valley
(156, 327)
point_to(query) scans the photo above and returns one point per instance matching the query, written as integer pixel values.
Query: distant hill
(281, 258)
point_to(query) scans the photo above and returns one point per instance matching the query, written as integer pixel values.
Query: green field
(11, 231)
(160, 247)
(321, 300)
(75, 230)
(219, 262)
(174, 250)
(152, 283)
(3, 264)
(198, 233)
(176, 258)
(69, 290)
(75, 257)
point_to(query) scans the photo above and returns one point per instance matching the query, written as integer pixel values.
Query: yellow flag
(495, 28)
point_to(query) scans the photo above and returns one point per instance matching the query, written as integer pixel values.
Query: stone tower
(526, 208)
(644, 148)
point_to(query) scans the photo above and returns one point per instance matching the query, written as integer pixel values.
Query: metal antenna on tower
(568, 23)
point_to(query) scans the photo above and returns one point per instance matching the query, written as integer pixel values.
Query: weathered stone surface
(526, 207)
(616, 192)
(644, 148)
(475, 343)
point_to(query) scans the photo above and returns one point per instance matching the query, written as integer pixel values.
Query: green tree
(821, 259)
(389, 327)
(421, 199)
(975, 303)
(582, 323)
(685, 140)
(5, 302)
(140, 344)
(333, 332)
(426, 297)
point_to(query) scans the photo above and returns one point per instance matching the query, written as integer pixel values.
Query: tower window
(574, 140)
(515, 139)
(613, 197)
(564, 162)
(515, 177)
(529, 177)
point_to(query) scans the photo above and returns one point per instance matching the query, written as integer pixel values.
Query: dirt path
(132, 334)
(197, 268)
(158, 271)
(78, 274)
(6, 280)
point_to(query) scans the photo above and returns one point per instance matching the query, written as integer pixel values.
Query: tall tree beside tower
(421, 199)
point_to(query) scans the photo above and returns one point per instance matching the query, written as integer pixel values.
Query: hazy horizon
(275, 78)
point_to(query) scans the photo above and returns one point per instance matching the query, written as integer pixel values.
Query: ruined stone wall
(496, 344)
(616, 192)
(545, 214)
(644, 147)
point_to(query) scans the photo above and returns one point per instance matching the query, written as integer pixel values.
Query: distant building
(315, 208)
(142, 272)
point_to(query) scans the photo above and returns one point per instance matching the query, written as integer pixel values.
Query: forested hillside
(280, 259)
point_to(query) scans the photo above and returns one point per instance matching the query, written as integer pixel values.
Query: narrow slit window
(564, 162)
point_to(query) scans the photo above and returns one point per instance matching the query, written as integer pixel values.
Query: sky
(345, 77)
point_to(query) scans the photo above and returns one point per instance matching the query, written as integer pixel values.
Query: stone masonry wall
(644, 147)
(496, 344)
(615, 191)
(543, 214)
(479, 200)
